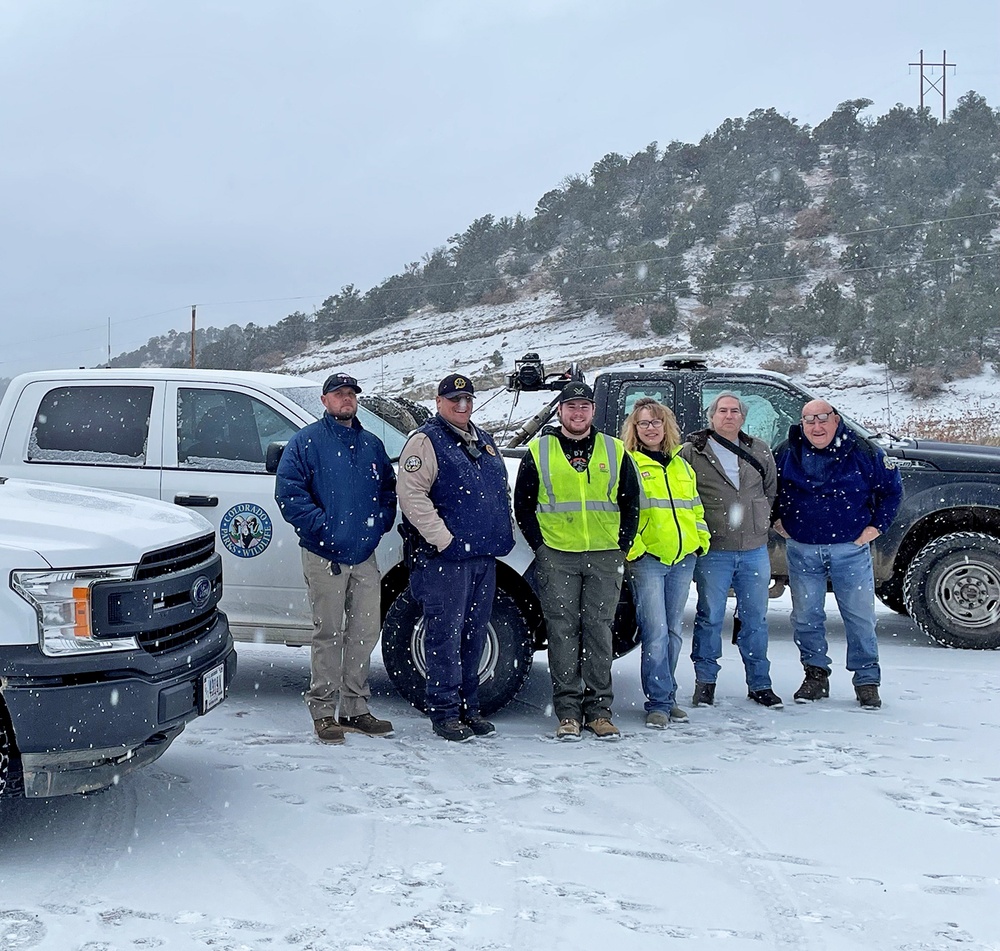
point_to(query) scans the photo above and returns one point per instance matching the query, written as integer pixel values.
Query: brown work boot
(328, 730)
(568, 730)
(867, 695)
(816, 685)
(367, 724)
(603, 729)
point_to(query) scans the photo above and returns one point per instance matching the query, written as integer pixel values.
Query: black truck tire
(503, 668)
(891, 595)
(952, 590)
(9, 773)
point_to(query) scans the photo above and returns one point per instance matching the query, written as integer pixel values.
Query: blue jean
(457, 598)
(848, 567)
(660, 592)
(748, 573)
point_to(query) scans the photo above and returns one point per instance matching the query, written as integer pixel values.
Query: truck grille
(155, 564)
(172, 601)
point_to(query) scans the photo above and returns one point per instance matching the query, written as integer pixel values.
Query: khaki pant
(346, 622)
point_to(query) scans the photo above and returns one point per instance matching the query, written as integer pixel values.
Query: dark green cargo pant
(579, 595)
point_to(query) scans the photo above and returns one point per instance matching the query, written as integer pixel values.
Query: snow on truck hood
(71, 526)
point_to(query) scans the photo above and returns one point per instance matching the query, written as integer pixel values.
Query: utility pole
(194, 312)
(927, 83)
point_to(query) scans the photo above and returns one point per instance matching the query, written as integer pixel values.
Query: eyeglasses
(649, 423)
(458, 399)
(817, 417)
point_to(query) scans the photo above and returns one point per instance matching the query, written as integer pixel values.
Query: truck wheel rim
(969, 593)
(487, 663)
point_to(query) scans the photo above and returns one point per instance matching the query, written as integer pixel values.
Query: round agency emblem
(245, 530)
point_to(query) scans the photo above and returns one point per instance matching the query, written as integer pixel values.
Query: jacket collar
(700, 439)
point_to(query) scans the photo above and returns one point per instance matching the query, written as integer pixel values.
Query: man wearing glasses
(456, 521)
(837, 493)
(737, 483)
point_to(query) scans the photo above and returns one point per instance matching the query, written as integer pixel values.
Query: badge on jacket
(412, 463)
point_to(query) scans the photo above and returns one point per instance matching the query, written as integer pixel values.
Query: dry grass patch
(978, 428)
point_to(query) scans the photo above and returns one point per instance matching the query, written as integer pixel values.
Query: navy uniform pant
(457, 599)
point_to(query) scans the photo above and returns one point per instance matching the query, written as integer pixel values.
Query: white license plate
(213, 687)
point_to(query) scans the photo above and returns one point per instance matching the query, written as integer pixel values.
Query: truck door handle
(197, 501)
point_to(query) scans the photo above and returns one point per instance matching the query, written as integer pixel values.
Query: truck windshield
(308, 398)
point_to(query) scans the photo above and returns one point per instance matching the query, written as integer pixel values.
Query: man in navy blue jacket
(336, 486)
(836, 494)
(456, 511)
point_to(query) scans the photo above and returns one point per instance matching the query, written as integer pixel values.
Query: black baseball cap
(455, 384)
(336, 380)
(575, 391)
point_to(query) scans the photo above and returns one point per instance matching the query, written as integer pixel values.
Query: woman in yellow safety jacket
(672, 533)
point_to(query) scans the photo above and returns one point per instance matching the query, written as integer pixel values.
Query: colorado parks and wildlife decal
(245, 530)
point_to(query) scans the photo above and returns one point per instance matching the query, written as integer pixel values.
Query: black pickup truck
(939, 562)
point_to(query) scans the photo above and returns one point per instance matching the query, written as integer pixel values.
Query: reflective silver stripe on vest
(545, 475)
(648, 503)
(588, 506)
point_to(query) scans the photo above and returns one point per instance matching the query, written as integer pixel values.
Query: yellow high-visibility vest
(671, 516)
(578, 511)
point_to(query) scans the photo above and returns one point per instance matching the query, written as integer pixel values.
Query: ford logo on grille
(201, 592)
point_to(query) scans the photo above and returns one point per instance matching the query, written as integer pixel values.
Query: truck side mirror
(273, 457)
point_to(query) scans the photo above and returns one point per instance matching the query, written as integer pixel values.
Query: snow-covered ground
(813, 827)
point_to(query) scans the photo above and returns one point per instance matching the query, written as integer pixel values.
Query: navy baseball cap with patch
(576, 391)
(336, 380)
(456, 384)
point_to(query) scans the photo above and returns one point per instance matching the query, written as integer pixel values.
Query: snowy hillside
(409, 357)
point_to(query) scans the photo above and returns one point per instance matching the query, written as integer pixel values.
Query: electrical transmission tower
(927, 83)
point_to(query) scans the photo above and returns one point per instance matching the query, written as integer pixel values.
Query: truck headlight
(61, 600)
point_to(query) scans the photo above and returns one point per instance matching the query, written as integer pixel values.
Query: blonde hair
(671, 431)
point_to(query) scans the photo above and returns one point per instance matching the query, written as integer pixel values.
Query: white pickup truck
(110, 635)
(200, 439)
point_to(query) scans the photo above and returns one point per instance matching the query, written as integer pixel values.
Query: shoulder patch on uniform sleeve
(412, 463)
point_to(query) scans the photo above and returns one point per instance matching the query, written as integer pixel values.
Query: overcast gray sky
(254, 156)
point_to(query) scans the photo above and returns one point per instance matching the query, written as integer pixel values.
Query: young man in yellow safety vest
(576, 500)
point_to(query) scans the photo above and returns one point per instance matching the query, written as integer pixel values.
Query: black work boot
(816, 686)
(454, 730)
(704, 695)
(766, 698)
(867, 695)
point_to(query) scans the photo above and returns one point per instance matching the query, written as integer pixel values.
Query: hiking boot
(816, 686)
(480, 726)
(569, 730)
(367, 724)
(766, 698)
(454, 730)
(657, 720)
(603, 729)
(704, 695)
(328, 730)
(867, 695)
(677, 715)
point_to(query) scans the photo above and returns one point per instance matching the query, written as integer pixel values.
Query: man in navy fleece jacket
(836, 494)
